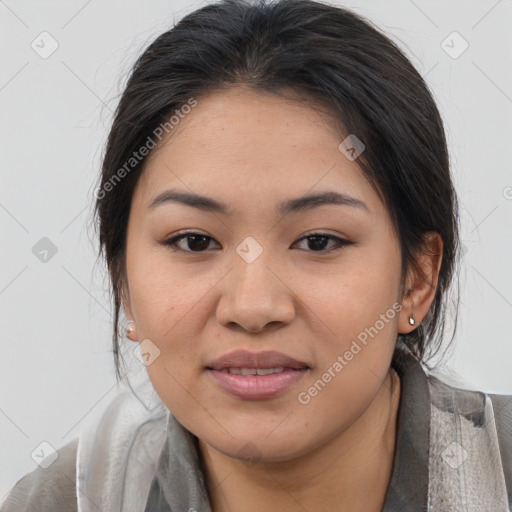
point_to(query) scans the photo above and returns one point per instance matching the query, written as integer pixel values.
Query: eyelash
(341, 243)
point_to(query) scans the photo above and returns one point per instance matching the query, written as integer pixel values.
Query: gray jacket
(453, 452)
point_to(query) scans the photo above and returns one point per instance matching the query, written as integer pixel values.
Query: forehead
(244, 147)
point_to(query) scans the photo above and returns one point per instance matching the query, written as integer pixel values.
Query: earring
(411, 320)
(131, 328)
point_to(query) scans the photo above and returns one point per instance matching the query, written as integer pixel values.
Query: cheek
(359, 312)
(161, 293)
(359, 292)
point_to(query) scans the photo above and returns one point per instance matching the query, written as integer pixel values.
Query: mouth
(258, 371)
(257, 376)
(254, 386)
(254, 361)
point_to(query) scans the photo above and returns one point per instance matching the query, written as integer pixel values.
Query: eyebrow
(299, 204)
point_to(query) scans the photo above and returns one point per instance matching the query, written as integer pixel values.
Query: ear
(421, 283)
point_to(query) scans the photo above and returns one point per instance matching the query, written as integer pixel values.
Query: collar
(408, 486)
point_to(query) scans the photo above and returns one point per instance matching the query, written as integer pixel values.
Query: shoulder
(502, 405)
(472, 404)
(51, 489)
(488, 412)
(476, 406)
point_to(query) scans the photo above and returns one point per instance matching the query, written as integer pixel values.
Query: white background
(56, 368)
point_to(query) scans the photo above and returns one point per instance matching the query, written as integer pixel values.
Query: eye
(318, 242)
(197, 242)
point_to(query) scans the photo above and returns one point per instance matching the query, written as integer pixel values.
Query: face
(318, 282)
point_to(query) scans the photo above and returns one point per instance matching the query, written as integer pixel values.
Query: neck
(334, 477)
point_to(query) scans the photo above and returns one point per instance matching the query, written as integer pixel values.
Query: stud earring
(131, 328)
(411, 320)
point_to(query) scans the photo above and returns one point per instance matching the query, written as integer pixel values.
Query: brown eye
(195, 242)
(317, 242)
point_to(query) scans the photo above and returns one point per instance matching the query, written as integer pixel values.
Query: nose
(255, 295)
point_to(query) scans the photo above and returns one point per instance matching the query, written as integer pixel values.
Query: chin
(253, 448)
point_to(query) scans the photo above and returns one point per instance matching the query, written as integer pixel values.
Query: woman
(280, 226)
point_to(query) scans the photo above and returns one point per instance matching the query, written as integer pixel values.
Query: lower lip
(257, 387)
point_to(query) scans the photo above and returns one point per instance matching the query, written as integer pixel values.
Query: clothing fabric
(453, 453)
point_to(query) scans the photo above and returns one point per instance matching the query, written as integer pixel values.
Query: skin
(252, 151)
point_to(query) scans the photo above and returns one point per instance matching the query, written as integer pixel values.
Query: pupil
(318, 242)
(195, 238)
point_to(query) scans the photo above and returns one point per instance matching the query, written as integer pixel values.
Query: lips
(243, 359)
(257, 375)
(253, 371)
